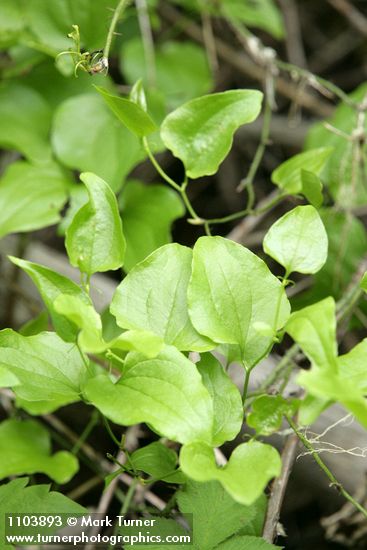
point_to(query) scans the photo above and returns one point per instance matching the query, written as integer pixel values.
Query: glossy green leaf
(268, 411)
(166, 392)
(182, 70)
(86, 136)
(129, 113)
(352, 366)
(25, 122)
(11, 22)
(49, 370)
(330, 378)
(314, 329)
(51, 285)
(327, 383)
(216, 515)
(247, 543)
(312, 188)
(227, 402)
(25, 448)
(158, 461)
(288, 176)
(153, 297)
(36, 325)
(200, 132)
(250, 468)
(16, 498)
(230, 290)
(88, 324)
(311, 407)
(148, 212)
(262, 14)
(298, 241)
(31, 197)
(94, 239)
(346, 185)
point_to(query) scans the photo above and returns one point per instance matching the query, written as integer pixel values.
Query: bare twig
(104, 504)
(295, 50)
(278, 489)
(245, 65)
(148, 41)
(350, 12)
(209, 41)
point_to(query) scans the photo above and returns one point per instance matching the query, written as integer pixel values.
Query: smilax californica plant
(180, 316)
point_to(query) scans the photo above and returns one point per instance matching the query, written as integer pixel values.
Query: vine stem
(120, 8)
(196, 219)
(325, 469)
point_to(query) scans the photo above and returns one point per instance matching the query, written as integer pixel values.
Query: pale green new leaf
(86, 136)
(200, 132)
(326, 383)
(88, 324)
(288, 176)
(298, 241)
(25, 122)
(314, 329)
(352, 366)
(216, 515)
(227, 402)
(166, 392)
(153, 297)
(31, 197)
(158, 461)
(50, 285)
(250, 468)
(148, 212)
(16, 498)
(129, 113)
(94, 239)
(48, 370)
(25, 448)
(232, 290)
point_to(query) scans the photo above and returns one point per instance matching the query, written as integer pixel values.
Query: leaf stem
(110, 433)
(247, 381)
(120, 8)
(86, 432)
(325, 469)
